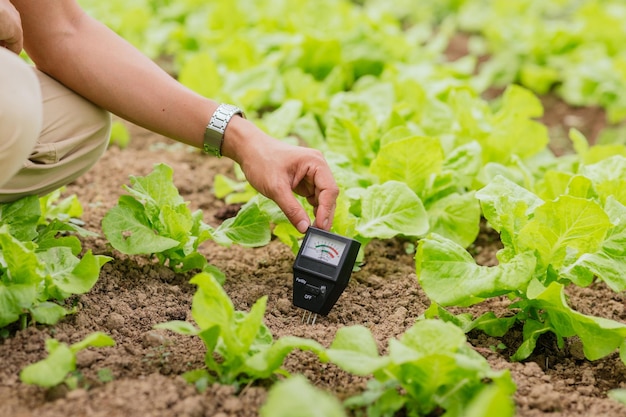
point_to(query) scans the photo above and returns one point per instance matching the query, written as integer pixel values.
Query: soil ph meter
(322, 270)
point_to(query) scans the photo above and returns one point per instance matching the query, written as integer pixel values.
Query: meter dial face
(325, 249)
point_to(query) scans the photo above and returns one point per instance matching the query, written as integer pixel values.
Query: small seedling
(60, 365)
(496, 348)
(105, 375)
(240, 347)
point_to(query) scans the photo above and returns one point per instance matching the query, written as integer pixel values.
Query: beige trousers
(49, 135)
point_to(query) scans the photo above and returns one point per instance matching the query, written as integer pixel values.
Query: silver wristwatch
(214, 133)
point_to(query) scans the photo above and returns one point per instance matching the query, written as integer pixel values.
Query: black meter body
(322, 269)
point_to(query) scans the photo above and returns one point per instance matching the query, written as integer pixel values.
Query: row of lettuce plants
(231, 50)
(393, 117)
(428, 368)
(569, 47)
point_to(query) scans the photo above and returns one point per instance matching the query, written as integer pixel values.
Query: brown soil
(133, 294)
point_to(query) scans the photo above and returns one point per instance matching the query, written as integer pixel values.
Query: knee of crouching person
(102, 124)
(21, 113)
(90, 128)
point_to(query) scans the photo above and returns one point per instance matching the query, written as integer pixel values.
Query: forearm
(90, 59)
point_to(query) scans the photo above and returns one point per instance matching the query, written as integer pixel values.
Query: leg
(21, 113)
(74, 136)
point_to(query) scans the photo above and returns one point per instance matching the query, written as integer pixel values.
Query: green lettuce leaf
(608, 177)
(296, 397)
(411, 160)
(249, 228)
(609, 262)
(457, 217)
(21, 273)
(568, 223)
(51, 371)
(21, 217)
(355, 350)
(450, 276)
(130, 231)
(61, 360)
(507, 207)
(599, 336)
(391, 209)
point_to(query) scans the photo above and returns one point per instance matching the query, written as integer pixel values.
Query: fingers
(11, 35)
(325, 206)
(324, 203)
(293, 210)
(318, 186)
(324, 210)
(15, 48)
(326, 191)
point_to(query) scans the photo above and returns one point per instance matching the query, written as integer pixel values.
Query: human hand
(11, 36)
(277, 170)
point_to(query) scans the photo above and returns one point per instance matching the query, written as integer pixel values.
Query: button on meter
(322, 270)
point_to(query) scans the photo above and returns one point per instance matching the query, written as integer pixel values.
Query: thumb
(293, 210)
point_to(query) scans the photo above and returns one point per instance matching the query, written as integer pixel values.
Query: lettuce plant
(240, 347)
(572, 239)
(39, 263)
(61, 361)
(297, 397)
(153, 219)
(428, 370)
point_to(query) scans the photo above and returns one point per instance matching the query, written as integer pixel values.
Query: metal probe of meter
(322, 270)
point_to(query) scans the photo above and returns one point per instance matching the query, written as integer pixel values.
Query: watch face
(323, 248)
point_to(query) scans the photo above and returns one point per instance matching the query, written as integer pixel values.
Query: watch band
(214, 133)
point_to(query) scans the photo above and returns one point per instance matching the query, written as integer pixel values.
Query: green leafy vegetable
(38, 269)
(565, 47)
(61, 361)
(450, 275)
(240, 348)
(391, 209)
(296, 397)
(433, 367)
(155, 220)
(569, 240)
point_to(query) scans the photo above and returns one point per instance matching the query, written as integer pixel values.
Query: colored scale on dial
(324, 249)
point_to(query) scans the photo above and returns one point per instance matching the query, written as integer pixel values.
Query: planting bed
(141, 374)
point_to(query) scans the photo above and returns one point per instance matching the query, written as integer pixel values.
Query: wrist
(243, 141)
